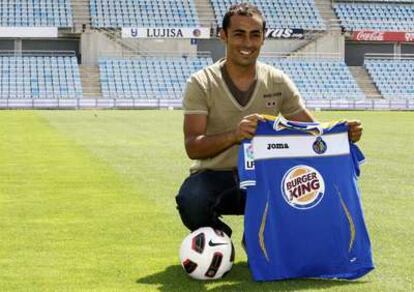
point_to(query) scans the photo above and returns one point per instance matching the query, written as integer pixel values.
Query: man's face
(244, 38)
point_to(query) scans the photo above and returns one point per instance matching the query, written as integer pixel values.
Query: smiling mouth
(246, 52)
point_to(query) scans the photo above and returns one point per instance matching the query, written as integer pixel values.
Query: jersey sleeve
(246, 167)
(358, 158)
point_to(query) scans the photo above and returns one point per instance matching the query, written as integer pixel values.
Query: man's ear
(223, 35)
(264, 35)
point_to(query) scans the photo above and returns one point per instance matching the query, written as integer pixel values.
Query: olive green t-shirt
(207, 94)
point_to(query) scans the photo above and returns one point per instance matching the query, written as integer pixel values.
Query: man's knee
(198, 198)
(195, 209)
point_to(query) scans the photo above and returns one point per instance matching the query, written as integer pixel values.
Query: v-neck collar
(231, 96)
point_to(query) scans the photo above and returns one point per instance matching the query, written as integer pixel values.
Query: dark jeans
(206, 195)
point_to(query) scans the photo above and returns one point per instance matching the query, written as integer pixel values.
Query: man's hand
(355, 130)
(247, 127)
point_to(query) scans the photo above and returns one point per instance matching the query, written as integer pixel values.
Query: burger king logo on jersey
(303, 187)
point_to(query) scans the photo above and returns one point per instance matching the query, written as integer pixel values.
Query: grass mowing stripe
(68, 221)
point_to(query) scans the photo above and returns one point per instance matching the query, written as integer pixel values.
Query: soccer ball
(207, 254)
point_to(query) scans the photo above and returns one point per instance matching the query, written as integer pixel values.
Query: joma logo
(277, 146)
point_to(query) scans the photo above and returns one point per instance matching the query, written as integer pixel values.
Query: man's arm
(355, 126)
(200, 146)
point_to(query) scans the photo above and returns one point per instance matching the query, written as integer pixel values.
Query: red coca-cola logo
(370, 36)
(409, 36)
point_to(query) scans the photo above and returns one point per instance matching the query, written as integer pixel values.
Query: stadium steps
(332, 23)
(205, 13)
(365, 82)
(81, 15)
(90, 80)
(311, 38)
(328, 14)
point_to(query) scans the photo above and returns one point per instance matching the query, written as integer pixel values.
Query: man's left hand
(355, 130)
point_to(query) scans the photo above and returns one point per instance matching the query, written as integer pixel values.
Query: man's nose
(248, 42)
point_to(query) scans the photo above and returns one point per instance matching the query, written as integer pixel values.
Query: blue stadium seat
(376, 16)
(22, 13)
(148, 77)
(279, 13)
(319, 78)
(39, 77)
(145, 13)
(394, 78)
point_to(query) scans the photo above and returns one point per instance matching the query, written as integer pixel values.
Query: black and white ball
(207, 254)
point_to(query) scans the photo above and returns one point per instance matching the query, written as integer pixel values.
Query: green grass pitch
(87, 204)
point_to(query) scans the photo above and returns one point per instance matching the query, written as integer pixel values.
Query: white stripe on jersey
(289, 146)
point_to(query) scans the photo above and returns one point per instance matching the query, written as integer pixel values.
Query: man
(223, 104)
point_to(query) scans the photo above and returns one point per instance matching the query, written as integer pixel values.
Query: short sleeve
(195, 98)
(292, 101)
(246, 167)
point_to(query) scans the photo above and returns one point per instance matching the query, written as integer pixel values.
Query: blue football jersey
(303, 214)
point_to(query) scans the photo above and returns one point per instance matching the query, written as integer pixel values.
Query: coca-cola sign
(382, 36)
(369, 36)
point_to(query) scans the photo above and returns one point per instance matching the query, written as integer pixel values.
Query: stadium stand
(319, 78)
(143, 13)
(394, 78)
(148, 77)
(279, 13)
(26, 13)
(39, 77)
(153, 77)
(376, 16)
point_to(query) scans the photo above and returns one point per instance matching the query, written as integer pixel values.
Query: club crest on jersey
(248, 156)
(302, 187)
(319, 146)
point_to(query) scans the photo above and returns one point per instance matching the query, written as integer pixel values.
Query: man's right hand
(201, 146)
(247, 127)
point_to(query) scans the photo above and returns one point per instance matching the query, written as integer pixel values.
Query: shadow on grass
(173, 278)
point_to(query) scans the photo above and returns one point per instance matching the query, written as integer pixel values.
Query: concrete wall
(333, 42)
(166, 45)
(95, 44)
(214, 46)
(281, 46)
